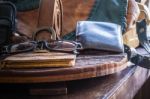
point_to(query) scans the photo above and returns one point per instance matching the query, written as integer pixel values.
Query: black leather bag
(7, 22)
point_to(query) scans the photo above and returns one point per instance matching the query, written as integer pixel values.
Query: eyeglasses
(57, 46)
(36, 45)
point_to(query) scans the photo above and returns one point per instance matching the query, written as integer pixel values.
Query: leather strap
(48, 29)
(142, 35)
(133, 55)
(142, 61)
(7, 22)
(50, 15)
(136, 58)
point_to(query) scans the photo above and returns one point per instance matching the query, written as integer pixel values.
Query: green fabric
(24, 5)
(107, 11)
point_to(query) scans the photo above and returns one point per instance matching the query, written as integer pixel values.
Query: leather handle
(48, 29)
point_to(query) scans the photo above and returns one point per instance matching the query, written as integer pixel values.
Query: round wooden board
(87, 66)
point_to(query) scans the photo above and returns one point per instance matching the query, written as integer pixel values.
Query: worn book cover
(39, 60)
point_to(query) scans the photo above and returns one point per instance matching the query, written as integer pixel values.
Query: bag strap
(133, 55)
(136, 58)
(142, 35)
(50, 15)
(142, 26)
(7, 22)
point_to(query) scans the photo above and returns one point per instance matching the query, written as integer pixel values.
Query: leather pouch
(7, 21)
(100, 35)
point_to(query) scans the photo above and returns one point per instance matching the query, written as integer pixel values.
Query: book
(39, 60)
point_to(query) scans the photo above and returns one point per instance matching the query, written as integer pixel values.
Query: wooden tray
(87, 66)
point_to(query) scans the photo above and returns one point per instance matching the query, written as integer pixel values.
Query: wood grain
(87, 66)
(121, 85)
(51, 89)
(39, 60)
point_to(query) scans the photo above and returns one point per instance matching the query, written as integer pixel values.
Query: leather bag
(38, 14)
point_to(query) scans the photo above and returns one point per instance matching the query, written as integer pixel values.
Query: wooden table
(121, 85)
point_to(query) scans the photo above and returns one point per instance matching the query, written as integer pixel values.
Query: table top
(87, 66)
(124, 84)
